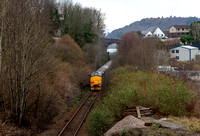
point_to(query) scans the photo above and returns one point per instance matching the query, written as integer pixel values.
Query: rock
(164, 123)
(129, 123)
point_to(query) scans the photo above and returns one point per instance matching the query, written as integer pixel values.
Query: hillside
(163, 23)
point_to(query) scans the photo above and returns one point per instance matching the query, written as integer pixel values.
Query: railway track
(76, 121)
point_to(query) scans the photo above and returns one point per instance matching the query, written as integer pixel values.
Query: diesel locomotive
(96, 77)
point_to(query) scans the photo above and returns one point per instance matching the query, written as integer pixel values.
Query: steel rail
(80, 106)
(86, 114)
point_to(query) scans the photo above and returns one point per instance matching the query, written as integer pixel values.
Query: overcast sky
(120, 13)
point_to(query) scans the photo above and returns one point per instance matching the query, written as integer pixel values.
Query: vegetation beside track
(129, 87)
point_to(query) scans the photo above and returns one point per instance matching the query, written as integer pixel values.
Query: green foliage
(66, 30)
(78, 100)
(84, 25)
(170, 99)
(99, 120)
(155, 127)
(154, 90)
(186, 38)
(88, 34)
(168, 133)
(123, 132)
(139, 33)
(56, 19)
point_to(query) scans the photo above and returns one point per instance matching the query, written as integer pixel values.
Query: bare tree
(82, 23)
(25, 55)
(137, 51)
(3, 10)
(195, 31)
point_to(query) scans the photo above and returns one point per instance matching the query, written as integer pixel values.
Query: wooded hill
(163, 23)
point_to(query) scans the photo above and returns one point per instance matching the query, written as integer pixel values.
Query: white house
(148, 34)
(184, 53)
(158, 33)
(154, 31)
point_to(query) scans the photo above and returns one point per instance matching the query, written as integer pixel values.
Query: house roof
(166, 32)
(151, 29)
(186, 47)
(180, 26)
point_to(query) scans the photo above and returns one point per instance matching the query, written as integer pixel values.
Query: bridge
(109, 41)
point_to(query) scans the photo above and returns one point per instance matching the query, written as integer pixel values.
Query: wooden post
(138, 112)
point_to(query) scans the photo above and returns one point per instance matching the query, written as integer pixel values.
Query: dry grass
(196, 67)
(192, 123)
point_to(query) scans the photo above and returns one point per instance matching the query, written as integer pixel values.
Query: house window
(177, 51)
(177, 57)
(173, 51)
(178, 29)
(183, 29)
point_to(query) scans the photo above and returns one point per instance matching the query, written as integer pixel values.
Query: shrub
(99, 121)
(150, 89)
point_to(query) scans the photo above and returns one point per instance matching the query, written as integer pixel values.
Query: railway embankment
(168, 97)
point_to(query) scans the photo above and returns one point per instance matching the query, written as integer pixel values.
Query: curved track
(76, 121)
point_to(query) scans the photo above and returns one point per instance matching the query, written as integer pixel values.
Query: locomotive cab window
(96, 74)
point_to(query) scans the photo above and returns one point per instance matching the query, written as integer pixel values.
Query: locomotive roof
(96, 73)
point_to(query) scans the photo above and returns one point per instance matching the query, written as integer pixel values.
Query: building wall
(183, 30)
(178, 32)
(194, 53)
(148, 34)
(172, 29)
(159, 33)
(184, 53)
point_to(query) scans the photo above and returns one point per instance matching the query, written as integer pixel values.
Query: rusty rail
(88, 105)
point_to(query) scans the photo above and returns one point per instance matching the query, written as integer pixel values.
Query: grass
(192, 123)
(149, 89)
(155, 127)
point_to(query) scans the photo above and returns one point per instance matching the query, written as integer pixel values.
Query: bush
(99, 121)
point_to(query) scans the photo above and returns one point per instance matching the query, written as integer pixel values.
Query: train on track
(96, 77)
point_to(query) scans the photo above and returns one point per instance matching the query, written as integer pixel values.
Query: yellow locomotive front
(96, 81)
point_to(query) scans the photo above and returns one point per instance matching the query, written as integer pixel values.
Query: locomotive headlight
(99, 81)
